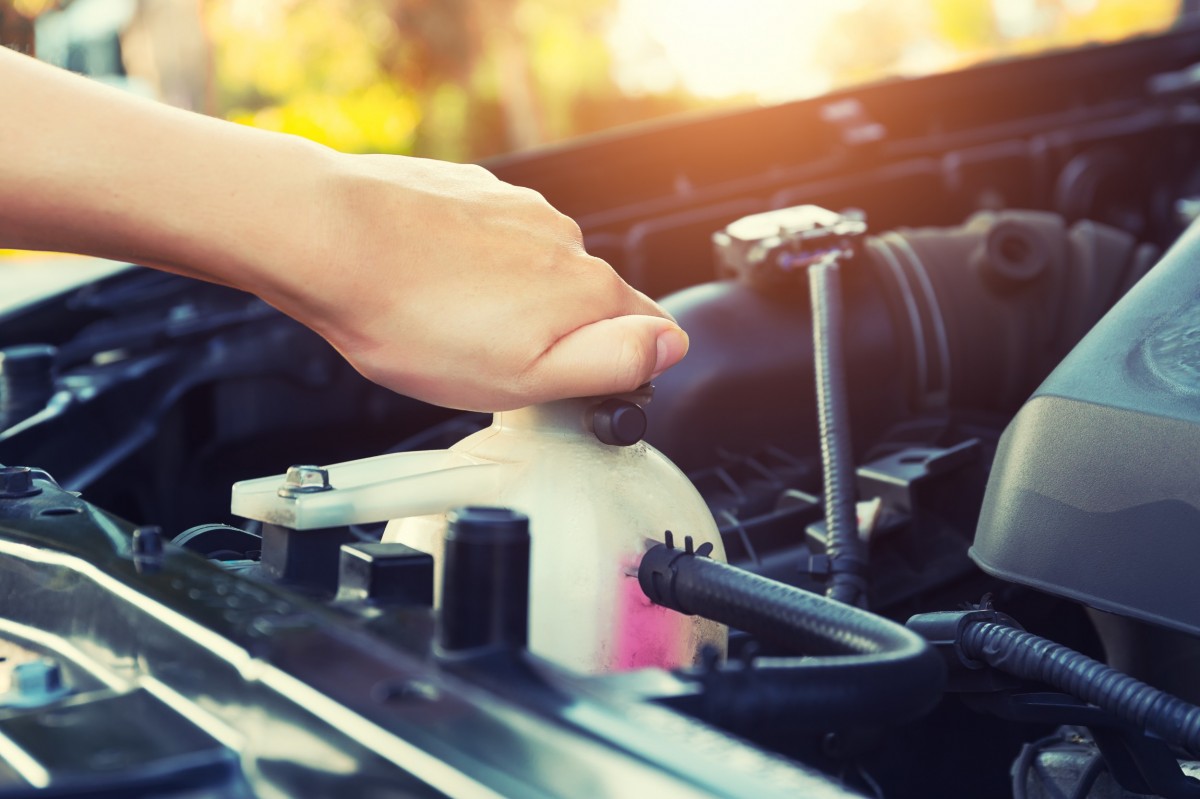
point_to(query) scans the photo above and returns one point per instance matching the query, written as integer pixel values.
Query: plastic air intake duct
(967, 317)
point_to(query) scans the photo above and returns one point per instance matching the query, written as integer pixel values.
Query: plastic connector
(944, 631)
(659, 569)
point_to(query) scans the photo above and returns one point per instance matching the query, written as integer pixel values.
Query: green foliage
(465, 79)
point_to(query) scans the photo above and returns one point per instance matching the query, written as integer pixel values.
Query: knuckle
(570, 228)
(591, 280)
(480, 171)
(526, 195)
(615, 289)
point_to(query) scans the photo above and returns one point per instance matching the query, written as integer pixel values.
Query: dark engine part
(26, 381)
(930, 484)
(322, 680)
(971, 317)
(1133, 731)
(1094, 493)
(486, 570)
(155, 672)
(1023, 654)
(874, 671)
(845, 552)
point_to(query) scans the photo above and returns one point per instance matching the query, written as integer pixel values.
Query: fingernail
(672, 346)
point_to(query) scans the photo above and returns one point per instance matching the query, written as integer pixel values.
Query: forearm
(86, 168)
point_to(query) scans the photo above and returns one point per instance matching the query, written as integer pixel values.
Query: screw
(16, 482)
(304, 480)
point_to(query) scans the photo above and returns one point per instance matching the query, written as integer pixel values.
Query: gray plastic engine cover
(1095, 490)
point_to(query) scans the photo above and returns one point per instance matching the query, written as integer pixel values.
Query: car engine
(912, 519)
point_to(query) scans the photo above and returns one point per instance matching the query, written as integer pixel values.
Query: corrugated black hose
(860, 669)
(847, 555)
(1014, 651)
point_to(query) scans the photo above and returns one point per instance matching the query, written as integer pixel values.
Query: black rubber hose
(1031, 657)
(847, 555)
(861, 669)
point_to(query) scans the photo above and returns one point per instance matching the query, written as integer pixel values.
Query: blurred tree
(464, 79)
(311, 67)
(1115, 19)
(454, 79)
(876, 40)
(16, 24)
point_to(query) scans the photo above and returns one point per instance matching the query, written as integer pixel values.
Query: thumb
(611, 356)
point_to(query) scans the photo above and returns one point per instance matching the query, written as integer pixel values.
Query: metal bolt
(304, 480)
(16, 482)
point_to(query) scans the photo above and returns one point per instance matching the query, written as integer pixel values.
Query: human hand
(444, 283)
(434, 279)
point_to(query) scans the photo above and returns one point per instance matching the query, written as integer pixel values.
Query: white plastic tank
(594, 509)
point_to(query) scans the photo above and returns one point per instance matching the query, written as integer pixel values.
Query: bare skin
(436, 280)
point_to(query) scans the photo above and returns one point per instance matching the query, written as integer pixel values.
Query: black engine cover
(1095, 492)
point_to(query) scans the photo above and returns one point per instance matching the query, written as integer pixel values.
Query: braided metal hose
(847, 555)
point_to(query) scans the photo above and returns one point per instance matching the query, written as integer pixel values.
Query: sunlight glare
(724, 48)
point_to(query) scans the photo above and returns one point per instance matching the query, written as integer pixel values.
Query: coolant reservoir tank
(594, 509)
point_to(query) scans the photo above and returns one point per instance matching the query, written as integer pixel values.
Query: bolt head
(304, 480)
(17, 481)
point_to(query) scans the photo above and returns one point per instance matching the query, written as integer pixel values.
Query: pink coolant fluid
(650, 635)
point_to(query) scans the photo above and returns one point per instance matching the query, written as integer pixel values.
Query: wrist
(350, 237)
(284, 247)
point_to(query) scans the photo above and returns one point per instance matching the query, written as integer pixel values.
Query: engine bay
(1004, 606)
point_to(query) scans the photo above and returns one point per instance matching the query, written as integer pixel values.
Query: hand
(434, 279)
(442, 282)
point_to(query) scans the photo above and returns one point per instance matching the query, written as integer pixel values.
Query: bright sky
(720, 48)
(769, 48)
